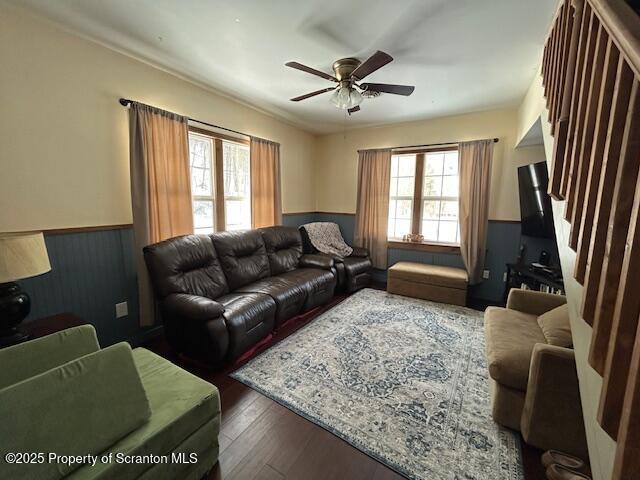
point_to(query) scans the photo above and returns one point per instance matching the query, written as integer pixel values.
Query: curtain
(475, 179)
(372, 209)
(266, 206)
(160, 187)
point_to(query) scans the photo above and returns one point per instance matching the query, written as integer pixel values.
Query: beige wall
(601, 446)
(63, 135)
(337, 158)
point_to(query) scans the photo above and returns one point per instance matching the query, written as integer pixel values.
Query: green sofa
(68, 403)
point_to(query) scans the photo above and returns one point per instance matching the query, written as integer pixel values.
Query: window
(423, 196)
(220, 176)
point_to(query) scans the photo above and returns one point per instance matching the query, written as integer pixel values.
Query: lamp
(22, 255)
(345, 97)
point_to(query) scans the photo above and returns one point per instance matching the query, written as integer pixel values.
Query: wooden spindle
(618, 228)
(580, 119)
(575, 91)
(615, 128)
(576, 206)
(560, 143)
(596, 162)
(624, 321)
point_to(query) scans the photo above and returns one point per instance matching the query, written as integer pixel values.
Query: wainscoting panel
(503, 243)
(90, 272)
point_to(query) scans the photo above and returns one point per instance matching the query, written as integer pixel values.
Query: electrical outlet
(504, 277)
(485, 274)
(122, 310)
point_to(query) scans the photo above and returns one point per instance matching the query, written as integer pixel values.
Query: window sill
(425, 246)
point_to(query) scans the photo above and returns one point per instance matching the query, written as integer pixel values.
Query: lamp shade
(22, 255)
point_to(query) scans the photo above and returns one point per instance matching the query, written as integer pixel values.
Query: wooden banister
(591, 79)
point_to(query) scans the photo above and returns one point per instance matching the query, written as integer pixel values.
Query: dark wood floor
(262, 440)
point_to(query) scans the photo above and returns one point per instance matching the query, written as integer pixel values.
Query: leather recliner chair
(354, 271)
(221, 294)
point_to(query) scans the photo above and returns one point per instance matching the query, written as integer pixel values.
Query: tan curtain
(160, 186)
(475, 180)
(372, 209)
(266, 206)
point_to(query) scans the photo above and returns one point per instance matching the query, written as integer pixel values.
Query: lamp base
(14, 307)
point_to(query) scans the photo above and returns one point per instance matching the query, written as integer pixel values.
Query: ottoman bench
(429, 282)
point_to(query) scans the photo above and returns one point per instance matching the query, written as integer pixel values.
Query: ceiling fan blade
(312, 94)
(312, 71)
(405, 90)
(371, 64)
(354, 109)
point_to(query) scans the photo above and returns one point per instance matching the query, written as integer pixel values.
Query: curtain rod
(495, 140)
(125, 102)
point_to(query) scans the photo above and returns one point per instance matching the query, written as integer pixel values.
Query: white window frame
(213, 196)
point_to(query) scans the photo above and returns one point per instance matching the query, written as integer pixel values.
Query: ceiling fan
(348, 72)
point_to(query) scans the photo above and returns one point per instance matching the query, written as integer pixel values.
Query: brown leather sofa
(354, 271)
(221, 294)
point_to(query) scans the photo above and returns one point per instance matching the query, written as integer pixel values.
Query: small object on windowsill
(413, 238)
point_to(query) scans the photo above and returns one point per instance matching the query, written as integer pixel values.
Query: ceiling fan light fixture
(346, 97)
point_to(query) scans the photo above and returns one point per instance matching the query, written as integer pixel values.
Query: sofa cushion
(186, 264)
(249, 317)
(81, 407)
(28, 359)
(289, 296)
(284, 248)
(181, 404)
(243, 256)
(430, 274)
(510, 338)
(555, 326)
(320, 284)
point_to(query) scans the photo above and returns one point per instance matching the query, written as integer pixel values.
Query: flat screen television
(535, 203)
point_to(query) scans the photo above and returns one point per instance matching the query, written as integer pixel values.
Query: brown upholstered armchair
(533, 372)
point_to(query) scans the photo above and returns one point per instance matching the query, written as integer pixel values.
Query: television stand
(545, 279)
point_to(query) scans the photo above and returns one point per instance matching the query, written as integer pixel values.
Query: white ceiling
(462, 55)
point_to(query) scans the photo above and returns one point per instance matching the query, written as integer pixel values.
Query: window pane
(405, 186)
(451, 163)
(406, 165)
(449, 211)
(238, 214)
(447, 232)
(394, 166)
(431, 210)
(393, 189)
(201, 160)
(403, 227)
(237, 185)
(203, 216)
(433, 163)
(430, 230)
(392, 209)
(236, 169)
(450, 186)
(432, 186)
(404, 209)
(391, 228)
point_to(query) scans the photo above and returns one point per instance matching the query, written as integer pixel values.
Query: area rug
(403, 380)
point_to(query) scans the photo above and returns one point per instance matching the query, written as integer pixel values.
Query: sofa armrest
(532, 302)
(552, 414)
(192, 307)
(31, 358)
(309, 260)
(359, 252)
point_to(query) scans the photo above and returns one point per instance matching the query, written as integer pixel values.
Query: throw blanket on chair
(326, 237)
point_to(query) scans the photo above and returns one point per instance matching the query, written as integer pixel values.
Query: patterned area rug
(401, 379)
